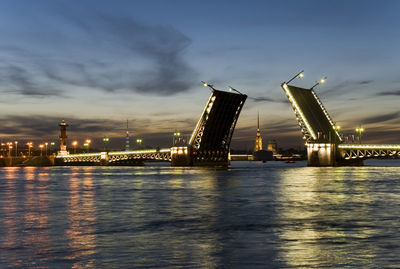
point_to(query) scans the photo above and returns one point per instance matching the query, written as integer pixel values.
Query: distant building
(272, 146)
(260, 154)
(258, 142)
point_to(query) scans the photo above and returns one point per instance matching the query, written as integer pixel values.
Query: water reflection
(82, 218)
(324, 212)
(36, 217)
(101, 217)
(9, 221)
(24, 216)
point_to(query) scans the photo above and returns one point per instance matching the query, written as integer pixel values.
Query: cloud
(267, 99)
(382, 118)
(134, 57)
(394, 93)
(15, 79)
(46, 126)
(162, 46)
(343, 87)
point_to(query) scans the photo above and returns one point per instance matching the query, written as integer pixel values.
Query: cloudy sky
(98, 63)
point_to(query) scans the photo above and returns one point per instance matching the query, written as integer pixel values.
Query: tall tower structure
(127, 147)
(63, 137)
(258, 142)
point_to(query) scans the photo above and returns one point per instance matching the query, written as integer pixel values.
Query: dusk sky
(98, 63)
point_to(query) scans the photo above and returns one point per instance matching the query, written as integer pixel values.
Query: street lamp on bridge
(88, 141)
(321, 81)
(139, 142)
(360, 130)
(105, 141)
(74, 144)
(234, 90)
(176, 137)
(298, 75)
(205, 84)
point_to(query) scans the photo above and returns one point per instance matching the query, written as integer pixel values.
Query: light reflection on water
(251, 215)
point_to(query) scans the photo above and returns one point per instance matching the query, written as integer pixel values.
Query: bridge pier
(327, 154)
(181, 156)
(321, 154)
(104, 159)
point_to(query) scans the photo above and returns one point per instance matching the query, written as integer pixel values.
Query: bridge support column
(104, 159)
(181, 156)
(321, 154)
(326, 154)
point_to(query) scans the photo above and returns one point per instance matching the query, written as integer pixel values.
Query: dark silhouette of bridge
(325, 146)
(209, 144)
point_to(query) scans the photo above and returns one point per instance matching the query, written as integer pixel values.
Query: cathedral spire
(258, 142)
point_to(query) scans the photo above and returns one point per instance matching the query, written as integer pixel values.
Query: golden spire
(258, 142)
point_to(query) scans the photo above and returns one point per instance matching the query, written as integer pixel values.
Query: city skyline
(98, 64)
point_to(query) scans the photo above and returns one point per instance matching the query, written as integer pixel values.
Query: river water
(253, 215)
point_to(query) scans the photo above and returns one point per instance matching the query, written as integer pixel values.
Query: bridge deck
(313, 114)
(116, 156)
(370, 146)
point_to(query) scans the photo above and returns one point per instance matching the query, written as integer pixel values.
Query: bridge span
(133, 157)
(325, 146)
(209, 144)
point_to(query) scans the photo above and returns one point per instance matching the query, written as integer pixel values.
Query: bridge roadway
(125, 157)
(116, 157)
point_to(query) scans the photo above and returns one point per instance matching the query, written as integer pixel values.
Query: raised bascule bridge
(209, 143)
(325, 146)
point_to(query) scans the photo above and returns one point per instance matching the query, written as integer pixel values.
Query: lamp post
(29, 144)
(9, 148)
(46, 144)
(175, 138)
(52, 144)
(298, 75)
(88, 141)
(139, 142)
(234, 90)
(321, 81)
(41, 149)
(2, 149)
(105, 141)
(205, 84)
(359, 130)
(74, 144)
(16, 148)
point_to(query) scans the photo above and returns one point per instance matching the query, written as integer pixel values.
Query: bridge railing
(116, 156)
(362, 151)
(369, 146)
